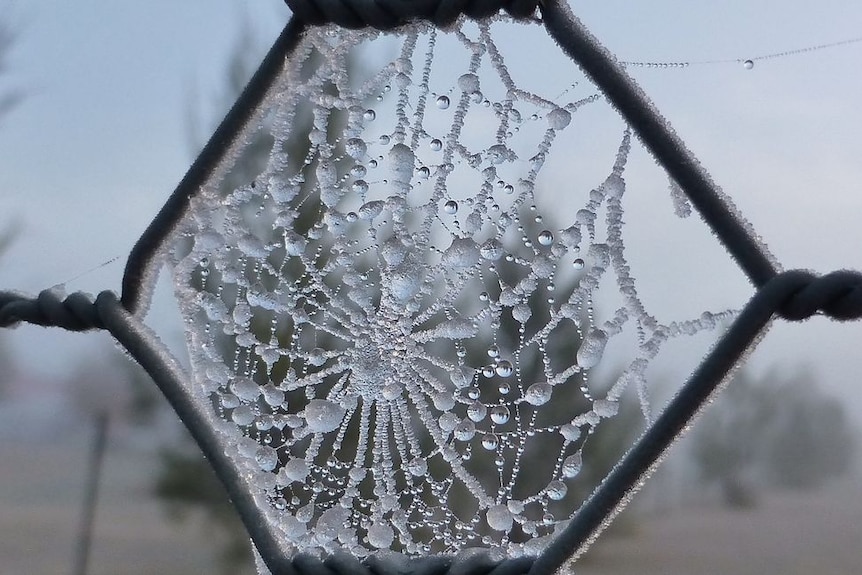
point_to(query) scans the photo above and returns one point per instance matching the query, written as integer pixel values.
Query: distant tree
(775, 431)
(9, 97)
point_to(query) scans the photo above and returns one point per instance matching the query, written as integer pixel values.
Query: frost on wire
(395, 334)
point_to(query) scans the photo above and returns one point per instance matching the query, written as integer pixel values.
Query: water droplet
(323, 415)
(443, 102)
(500, 414)
(369, 115)
(504, 368)
(546, 238)
(450, 207)
(384, 139)
(489, 441)
(504, 388)
(538, 393)
(358, 171)
(556, 490)
(748, 64)
(436, 145)
(493, 351)
(488, 371)
(572, 465)
(424, 172)
(578, 264)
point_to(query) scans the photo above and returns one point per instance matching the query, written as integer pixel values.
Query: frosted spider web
(395, 336)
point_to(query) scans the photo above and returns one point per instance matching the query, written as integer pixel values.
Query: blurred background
(104, 105)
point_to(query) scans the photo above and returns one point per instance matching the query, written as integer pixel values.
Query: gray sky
(102, 137)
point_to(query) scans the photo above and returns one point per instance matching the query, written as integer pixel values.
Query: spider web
(396, 336)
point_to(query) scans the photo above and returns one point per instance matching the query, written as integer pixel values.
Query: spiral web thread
(396, 339)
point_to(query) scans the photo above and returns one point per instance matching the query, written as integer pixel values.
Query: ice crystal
(395, 335)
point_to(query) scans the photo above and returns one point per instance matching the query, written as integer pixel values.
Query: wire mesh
(792, 295)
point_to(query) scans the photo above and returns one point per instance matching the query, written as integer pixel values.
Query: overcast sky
(103, 135)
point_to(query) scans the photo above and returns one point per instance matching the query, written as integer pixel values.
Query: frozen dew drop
(504, 368)
(369, 115)
(462, 253)
(592, 348)
(317, 356)
(606, 408)
(424, 172)
(556, 490)
(266, 457)
(572, 465)
(491, 250)
(380, 535)
(443, 102)
(242, 415)
(476, 411)
(355, 148)
(436, 145)
(465, 430)
(748, 64)
(371, 210)
(538, 393)
(546, 238)
(448, 422)
(489, 441)
(578, 264)
(358, 171)
(570, 432)
(469, 83)
(500, 414)
(558, 118)
(323, 415)
(499, 518)
(245, 388)
(360, 186)
(450, 207)
(417, 467)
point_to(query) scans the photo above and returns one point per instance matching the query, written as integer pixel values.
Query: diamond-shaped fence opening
(398, 322)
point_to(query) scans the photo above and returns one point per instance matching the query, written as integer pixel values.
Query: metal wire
(792, 295)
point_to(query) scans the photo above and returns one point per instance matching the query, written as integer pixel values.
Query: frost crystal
(396, 335)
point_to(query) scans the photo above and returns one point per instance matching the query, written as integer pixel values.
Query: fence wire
(791, 295)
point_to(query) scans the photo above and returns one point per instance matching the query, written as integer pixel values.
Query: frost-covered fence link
(391, 327)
